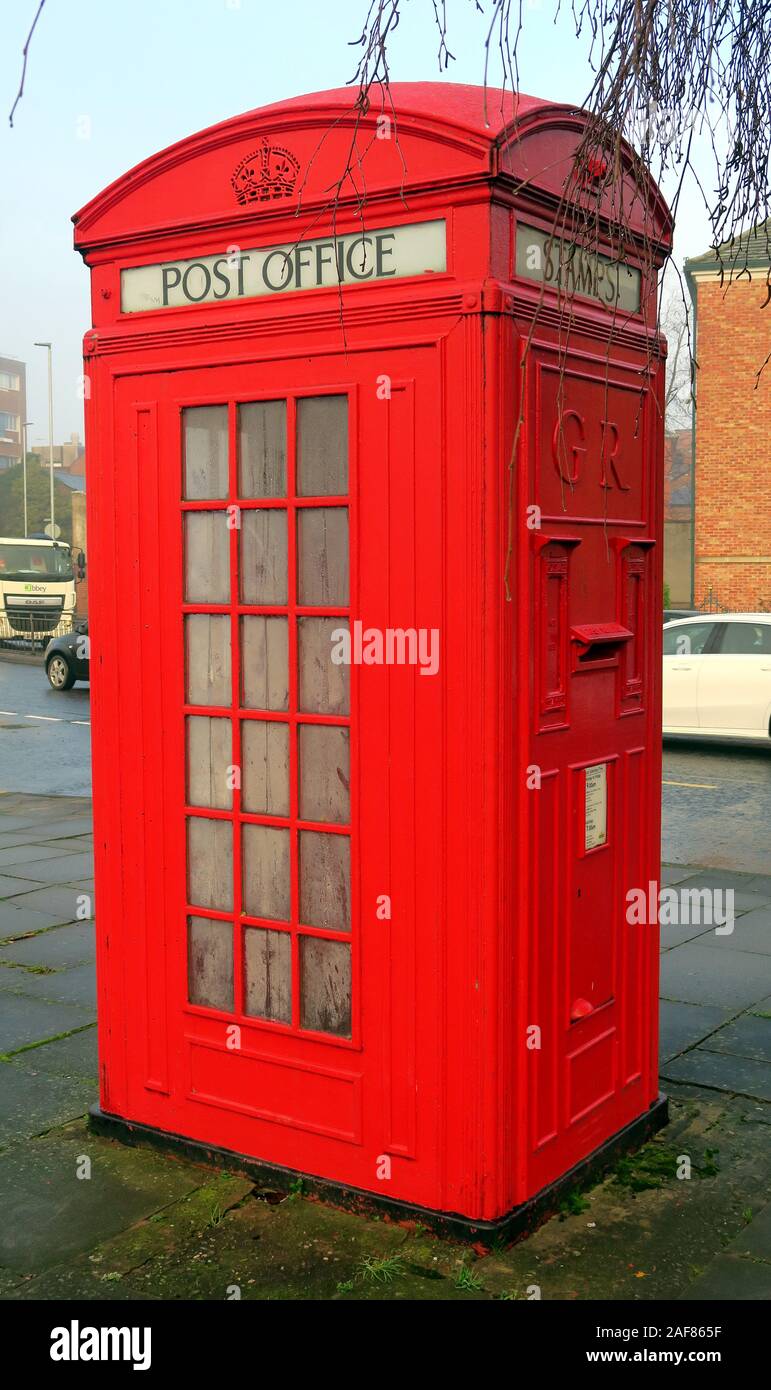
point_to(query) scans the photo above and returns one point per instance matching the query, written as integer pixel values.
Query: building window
(8, 422)
(9, 381)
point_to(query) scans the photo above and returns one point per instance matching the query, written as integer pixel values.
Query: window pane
(325, 880)
(210, 963)
(209, 755)
(268, 974)
(262, 449)
(207, 657)
(266, 872)
(325, 985)
(747, 639)
(210, 863)
(688, 639)
(324, 686)
(264, 572)
(325, 773)
(322, 550)
(205, 430)
(207, 557)
(322, 446)
(264, 662)
(265, 767)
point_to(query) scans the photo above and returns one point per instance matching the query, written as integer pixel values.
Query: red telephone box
(376, 725)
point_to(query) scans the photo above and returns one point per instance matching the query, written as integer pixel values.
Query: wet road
(45, 735)
(716, 799)
(717, 806)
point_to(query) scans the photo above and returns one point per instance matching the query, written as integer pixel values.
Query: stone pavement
(147, 1226)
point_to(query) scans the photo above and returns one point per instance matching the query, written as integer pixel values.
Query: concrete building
(732, 504)
(13, 409)
(69, 456)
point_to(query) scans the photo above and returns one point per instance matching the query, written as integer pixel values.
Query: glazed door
(272, 506)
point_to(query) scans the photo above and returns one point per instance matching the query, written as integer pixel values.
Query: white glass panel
(265, 767)
(210, 963)
(207, 659)
(268, 974)
(266, 891)
(264, 662)
(263, 565)
(207, 557)
(324, 686)
(322, 446)
(325, 773)
(325, 880)
(322, 542)
(209, 755)
(210, 863)
(325, 985)
(205, 436)
(262, 449)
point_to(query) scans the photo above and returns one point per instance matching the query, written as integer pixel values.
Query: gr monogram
(573, 443)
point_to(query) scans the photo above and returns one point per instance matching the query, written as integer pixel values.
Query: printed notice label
(596, 806)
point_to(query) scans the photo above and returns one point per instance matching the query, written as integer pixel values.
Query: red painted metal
(502, 919)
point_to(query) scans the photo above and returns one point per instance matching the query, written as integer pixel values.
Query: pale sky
(109, 82)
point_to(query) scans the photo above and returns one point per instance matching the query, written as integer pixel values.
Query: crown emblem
(268, 172)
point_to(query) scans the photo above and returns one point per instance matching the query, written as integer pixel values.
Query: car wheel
(59, 672)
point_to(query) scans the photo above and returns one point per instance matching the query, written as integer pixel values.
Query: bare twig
(25, 55)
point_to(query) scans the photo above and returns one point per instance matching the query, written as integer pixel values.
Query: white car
(717, 676)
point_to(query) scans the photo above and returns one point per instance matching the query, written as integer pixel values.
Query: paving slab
(74, 1056)
(64, 868)
(747, 1036)
(760, 883)
(754, 1242)
(16, 830)
(31, 1103)
(745, 898)
(24, 1019)
(50, 1213)
(723, 1071)
(18, 921)
(683, 1025)
(720, 878)
(699, 974)
(12, 886)
(61, 830)
(60, 900)
(60, 946)
(76, 985)
(680, 932)
(15, 856)
(752, 932)
(77, 842)
(729, 1280)
(675, 873)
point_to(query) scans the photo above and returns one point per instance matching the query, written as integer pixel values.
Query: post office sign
(383, 253)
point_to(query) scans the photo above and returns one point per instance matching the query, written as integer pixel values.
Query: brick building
(732, 530)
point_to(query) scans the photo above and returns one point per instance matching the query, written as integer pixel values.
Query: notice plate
(596, 806)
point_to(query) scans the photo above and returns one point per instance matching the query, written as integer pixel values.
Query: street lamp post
(24, 425)
(50, 433)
